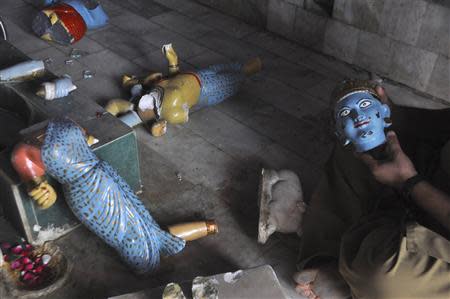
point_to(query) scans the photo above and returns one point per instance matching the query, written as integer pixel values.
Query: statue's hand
(172, 58)
(170, 54)
(159, 128)
(91, 140)
(44, 195)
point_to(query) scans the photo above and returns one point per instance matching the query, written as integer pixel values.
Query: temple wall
(406, 41)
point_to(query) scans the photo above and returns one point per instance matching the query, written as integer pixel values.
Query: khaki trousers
(383, 251)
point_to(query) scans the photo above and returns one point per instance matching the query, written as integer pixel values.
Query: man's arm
(434, 201)
(398, 170)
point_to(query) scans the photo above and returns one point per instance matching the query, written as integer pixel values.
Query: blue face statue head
(361, 120)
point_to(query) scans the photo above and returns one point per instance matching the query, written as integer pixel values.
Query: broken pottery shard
(36, 228)
(173, 291)
(281, 204)
(205, 288)
(87, 74)
(77, 53)
(48, 60)
(232, 277)
(179, 177)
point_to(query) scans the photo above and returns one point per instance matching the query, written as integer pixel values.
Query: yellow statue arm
(43, 194)
(172, 58)
(91, 140)
(118, 106)
(159, 128)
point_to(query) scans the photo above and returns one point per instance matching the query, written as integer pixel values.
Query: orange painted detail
(71, 19)
(26, 160)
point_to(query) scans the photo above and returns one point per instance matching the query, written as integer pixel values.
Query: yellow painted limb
(44, 195)
(91, 140)
(129, 81)
(191, 231)
(159, 128)
(172, 58)
(177, 115)
(152, 78)
(118, 106)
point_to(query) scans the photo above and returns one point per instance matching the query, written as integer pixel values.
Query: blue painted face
(360, 120)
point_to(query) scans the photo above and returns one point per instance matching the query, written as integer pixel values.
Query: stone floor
(280, 119)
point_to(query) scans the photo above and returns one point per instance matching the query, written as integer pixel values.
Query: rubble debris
(281, 205)
(205, 288)
(88, 74)
(48, 60)
(232, 277)
(49, 233)
(77, 53)
(179, 177)
(173, 291)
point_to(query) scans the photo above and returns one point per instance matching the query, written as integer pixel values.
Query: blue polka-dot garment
(102, 200)
(219, 82)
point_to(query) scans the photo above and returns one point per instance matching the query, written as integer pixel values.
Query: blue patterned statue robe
(102, 200)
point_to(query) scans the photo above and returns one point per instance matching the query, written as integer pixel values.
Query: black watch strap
(409, 184)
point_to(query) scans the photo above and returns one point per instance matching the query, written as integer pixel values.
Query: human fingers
(368, 160)
(393, 144)
(49, 202)
(381, 92)
(42, 199)
(51, 197)
(36, 192)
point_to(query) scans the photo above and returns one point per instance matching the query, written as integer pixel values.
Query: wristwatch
(409, 185)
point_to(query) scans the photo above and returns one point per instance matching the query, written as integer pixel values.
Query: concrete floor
(280, 119)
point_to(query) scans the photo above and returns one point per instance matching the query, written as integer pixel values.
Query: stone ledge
(405, 96)
(406, 41)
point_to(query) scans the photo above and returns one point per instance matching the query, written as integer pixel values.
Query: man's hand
(394, 172)
(44, 195)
